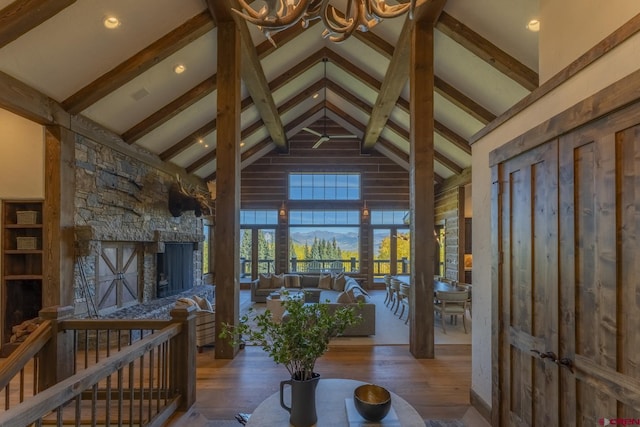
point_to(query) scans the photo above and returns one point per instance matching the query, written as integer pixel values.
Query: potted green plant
(296, 342)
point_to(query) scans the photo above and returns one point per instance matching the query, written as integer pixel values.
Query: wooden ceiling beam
(203, 160)
(22, 16)
(253, 74)
(441, 129)
(487, 51)
(346, 117)
(452, 137)
(170, 110)
(302, 96)
(188, 141)
(441, 87)
(139, 63)
(397, 73)
(462, 101)
(266, 48)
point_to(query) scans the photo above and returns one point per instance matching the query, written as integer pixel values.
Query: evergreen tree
(245, 244)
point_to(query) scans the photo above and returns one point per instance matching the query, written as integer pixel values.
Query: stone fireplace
(123, 229)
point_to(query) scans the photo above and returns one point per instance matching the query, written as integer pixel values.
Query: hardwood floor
(438, 388)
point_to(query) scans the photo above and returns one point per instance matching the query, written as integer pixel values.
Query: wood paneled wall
(384, 183)
(449, 209)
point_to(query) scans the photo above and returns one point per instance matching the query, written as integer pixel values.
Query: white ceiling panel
(73, 48)
(124, 107)
(181, 125)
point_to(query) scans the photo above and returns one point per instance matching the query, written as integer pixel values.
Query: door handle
(566, 362)
(546, 355)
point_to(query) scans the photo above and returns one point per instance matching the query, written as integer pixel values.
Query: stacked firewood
(21, 332)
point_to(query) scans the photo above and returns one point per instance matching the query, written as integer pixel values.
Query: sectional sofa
(335, 290)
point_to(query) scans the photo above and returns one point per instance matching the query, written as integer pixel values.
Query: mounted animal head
(182, 199)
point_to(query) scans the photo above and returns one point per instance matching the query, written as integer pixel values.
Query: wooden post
(183, 356)
(421, 335)
(228, 183)
(56, 358)
(58, 215)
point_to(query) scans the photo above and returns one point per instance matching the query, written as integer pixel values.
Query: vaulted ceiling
(122, 81)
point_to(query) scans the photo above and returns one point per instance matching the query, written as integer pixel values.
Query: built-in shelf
(22, 266)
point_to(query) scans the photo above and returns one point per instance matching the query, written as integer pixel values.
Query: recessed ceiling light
(533, 25)
(206, 145)
(316, 95)
(111, 22)
(200, 140)
(242, 144)
(179, 69)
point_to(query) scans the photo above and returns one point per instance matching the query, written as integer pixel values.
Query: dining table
(437, 284)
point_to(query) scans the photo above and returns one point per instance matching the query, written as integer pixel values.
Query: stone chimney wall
(121, 199)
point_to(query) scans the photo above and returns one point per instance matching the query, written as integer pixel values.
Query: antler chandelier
(362, 15)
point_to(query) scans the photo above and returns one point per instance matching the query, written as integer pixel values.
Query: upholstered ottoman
(312, 295)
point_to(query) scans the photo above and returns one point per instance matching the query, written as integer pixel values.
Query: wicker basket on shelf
(26, 217)
(26, 243)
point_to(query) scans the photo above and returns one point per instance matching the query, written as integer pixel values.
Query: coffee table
(331, 407)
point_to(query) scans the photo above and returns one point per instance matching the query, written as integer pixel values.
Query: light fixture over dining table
(362, 15)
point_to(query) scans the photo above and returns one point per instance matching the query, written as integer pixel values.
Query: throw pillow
(264, 281)
(355, 296)
(277, 281)
(187, 301)
(339, 281)
(324, 282)
(291, 281)
(344, 298)
(203, 303)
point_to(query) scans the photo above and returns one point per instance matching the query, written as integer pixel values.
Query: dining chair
(387, 284)
(469, 288)
(451, 303)
(405, 300)
(395, 289)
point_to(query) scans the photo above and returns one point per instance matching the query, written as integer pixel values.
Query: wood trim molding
(480, 405)
(22, 16)
(488, 52)
(614, 97)
(606, 45)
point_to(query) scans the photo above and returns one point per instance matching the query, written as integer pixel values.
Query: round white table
(331, 408)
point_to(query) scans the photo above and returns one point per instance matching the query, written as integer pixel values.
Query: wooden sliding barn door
(528, 291)
(600, 271)
(568, 278)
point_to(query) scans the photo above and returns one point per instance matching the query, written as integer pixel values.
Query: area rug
(390, 329)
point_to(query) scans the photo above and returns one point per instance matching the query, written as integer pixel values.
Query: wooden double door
(118, 275)
(567, 278)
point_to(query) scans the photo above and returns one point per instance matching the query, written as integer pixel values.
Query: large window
(324, 186)
(391, 242)
(257, 242)
(324, 240)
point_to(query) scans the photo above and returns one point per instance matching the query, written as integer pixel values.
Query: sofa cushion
(264, 281)
(187, 301)
(277, 281)
(203, 303)
(338, 282)
(344, 298)
(309, 281)
(324, 282)
(291, 281)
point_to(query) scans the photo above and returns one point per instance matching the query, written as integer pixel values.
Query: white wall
(619, 63)
(21, 158)
(569, 28)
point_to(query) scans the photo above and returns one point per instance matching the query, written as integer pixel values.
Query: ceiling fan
(324, 137)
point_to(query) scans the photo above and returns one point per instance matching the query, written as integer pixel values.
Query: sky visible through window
(324, 186)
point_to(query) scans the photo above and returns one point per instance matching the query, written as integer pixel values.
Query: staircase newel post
(183, 356)
(57, 357)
